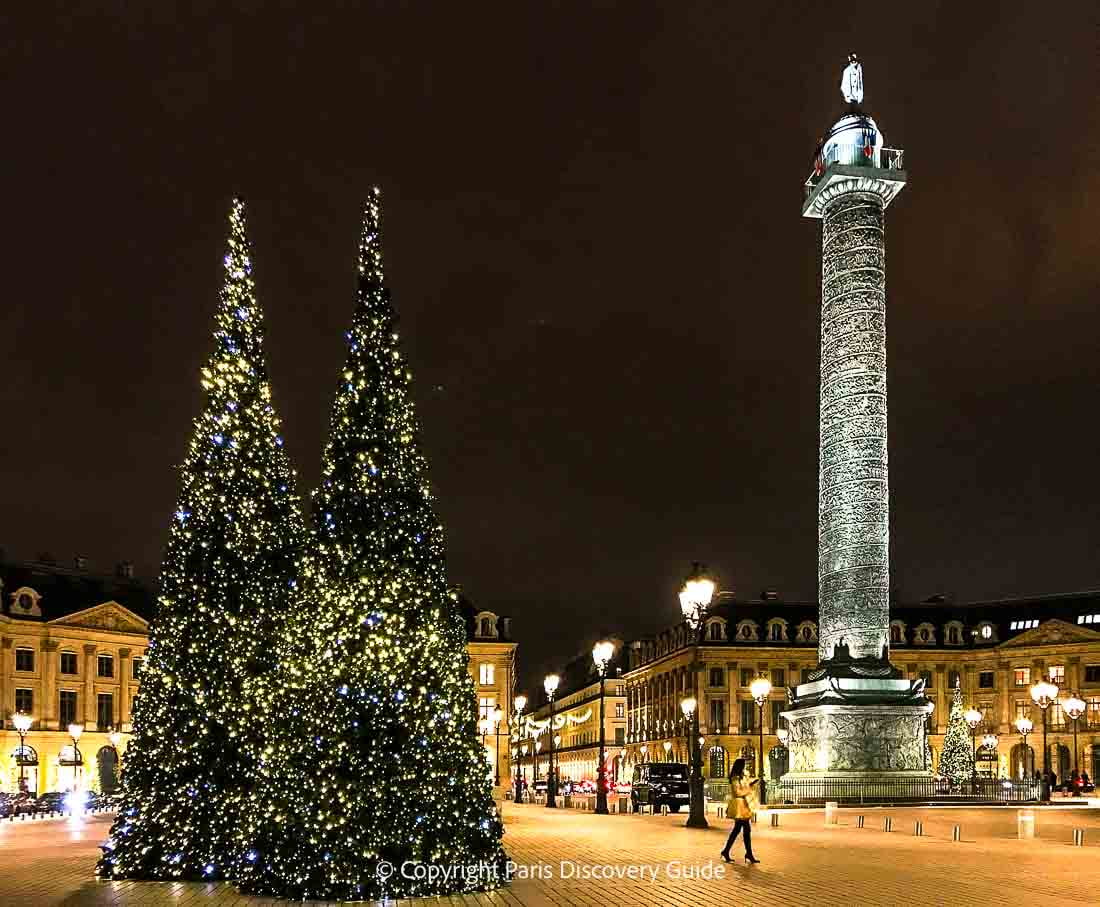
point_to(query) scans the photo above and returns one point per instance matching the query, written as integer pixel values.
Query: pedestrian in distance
(740, 805)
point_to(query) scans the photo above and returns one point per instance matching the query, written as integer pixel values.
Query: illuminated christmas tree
(374, 762)
(957, 758)
(226, 585)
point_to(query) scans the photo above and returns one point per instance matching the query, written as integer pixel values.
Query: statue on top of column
(851, 82)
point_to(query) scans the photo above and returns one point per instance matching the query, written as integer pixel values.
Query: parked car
(21, 803)
(661, 784)
(52, 801)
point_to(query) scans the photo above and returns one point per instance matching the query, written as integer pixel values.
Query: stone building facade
(71, 650)
(995, 650)
(493, 670)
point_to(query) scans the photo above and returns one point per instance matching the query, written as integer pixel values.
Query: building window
(777, 707)
(485, 706)
(136, 667)
(1092, 673)
(66, 700)
(1024, 624)
(104, 711)
(748, 715)
(953, 679)
(806, 634)
(1021, 677)
(24, 659)
(1057, 716)
(717, 716)
(1092, 713)
(985, 680)
(620, 709)
(620, 736)
(927, 677)
(776, 632)
(485, 674)
(717, 677)
(486, 626)
(986, 631)
(746, 676)
(895, 634)
(1023, 708)
(954, 634)
(779, 677)
(1088, 618)
(24, 700)
(68, 662)
(1058, 674)
(716, 632)
(106, 665)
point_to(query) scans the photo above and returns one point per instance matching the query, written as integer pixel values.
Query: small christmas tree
(225, 589)
(374, 762)
(957, 758)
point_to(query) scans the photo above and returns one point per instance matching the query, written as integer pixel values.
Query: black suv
(660, 784)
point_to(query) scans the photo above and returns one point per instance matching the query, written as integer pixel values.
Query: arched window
(807, 631)
(717, 631)
(953, 633)
(718, 762)
(895, 633)
(748, 753)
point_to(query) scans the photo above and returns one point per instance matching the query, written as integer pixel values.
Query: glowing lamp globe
(989, 741)
(520, 702)
(495, 716)
(1073, 707)
(973, 717)
(688, 705)
(602, 653)
(782, 734)
(668, 746)
(550, 684)
(22, 722)
(760, 689)
(1044, 693)
(75, 730)
(116, 738)
(1024, 725)
(696, 594)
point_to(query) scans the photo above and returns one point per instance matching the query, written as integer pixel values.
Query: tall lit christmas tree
(957, 758)
(226, 585)
(374, 767)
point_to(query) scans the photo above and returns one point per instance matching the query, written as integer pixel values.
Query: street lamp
(602, 653)
(989, 742)
(667, 746)
(538, 749)
(1043, 693)
(695, 597)
(495, 718)
(22, 724)
(645, 749)
(550, 684)
(973, 718)
(1024, 726)
(1074, 707)
(520, 703)
(75, 730)
(931, 707)
(761, 688)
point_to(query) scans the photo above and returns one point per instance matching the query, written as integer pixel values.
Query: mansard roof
(65, 591)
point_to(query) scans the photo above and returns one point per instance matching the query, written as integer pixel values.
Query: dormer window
(746, 631)
(897, 633)
(953, 633)
(777, 630)
(987, 632)
(926, 634)
(807, 631)
(486, 625)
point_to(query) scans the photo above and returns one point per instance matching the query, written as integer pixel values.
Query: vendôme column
(856, 717)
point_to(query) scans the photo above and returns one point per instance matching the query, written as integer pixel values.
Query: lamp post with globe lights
(75, 730)
(761, 689)
(1025, 727)
(989, 743)
(668, 747)
(602, 653)
(116, 740)
(550, 684)
(520, 703)
(695, 597)
(1043, 693)
(22, 723)
(495, 718)
(973, 717)
(1074, 707)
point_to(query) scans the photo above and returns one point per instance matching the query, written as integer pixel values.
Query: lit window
(1022, 676)
(485, 674)
(24, 659)
(1058, 674)
(987, 631)
(68, 662)
(485, 707)
(106, 666)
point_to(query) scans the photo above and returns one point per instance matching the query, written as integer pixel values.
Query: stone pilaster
(89, 686)
(122, 707)
(47, 710)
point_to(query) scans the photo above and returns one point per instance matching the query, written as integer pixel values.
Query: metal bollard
(956, 833)
(1025, 824)
(888, 824)
(775, 820)
(753, 820)
(831, 812)
(1078, 837)
(918, 829)
(859, 821)
(721, 812)
(664, 809)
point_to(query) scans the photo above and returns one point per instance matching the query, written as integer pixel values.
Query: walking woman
(739, 808)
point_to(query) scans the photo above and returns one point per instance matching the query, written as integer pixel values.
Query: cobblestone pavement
(573, 858)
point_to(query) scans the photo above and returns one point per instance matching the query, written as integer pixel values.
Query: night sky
(608, 295)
